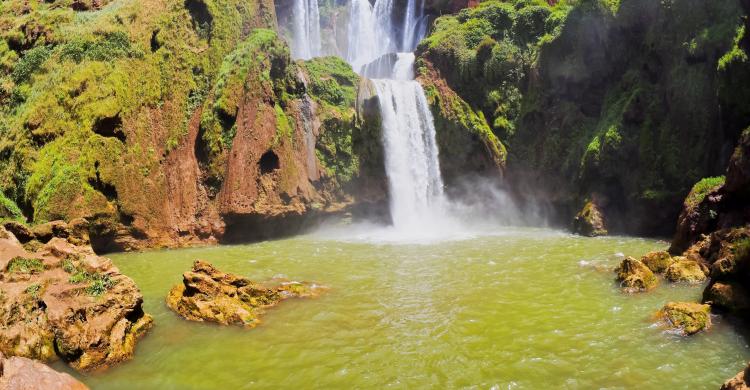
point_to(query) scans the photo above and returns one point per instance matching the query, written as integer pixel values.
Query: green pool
(515, 309)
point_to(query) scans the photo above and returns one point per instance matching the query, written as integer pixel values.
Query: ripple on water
(514, 309)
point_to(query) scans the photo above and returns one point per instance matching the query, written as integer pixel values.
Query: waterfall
(411, 153)
(306, 29)
(417, 200)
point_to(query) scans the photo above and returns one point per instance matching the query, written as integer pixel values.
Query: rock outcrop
(686, 317)
(739, 381)
(657, 261)
(590, 221)
(207, 294)
(19, 373)
(63, 301)
(685, 270)
(717, 203)
(634, 276)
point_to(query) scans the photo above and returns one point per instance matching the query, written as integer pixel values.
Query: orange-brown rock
(19, 373)
(739, 381)
(208, 294)
(63, 301)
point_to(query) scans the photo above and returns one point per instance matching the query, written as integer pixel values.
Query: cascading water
(417, 200)
(370, 32)
(411, 153)
(306, 29)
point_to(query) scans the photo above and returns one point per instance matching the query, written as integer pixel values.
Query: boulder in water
(634, 276)
(687, 317)
(590, 221)
(685, 270)
(657, 261)
(19, 373)
(207, 294)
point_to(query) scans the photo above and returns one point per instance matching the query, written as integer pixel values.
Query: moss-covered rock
(634, 276)
(687, 317)
(685, 270)
(208, 294)
(590, 221)
(657, 261)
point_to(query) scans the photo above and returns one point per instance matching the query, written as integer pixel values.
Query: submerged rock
(657, 261)
(634, 276)
(739, 381)
(208, 294)
(64, 301)
(590, 221)
(684, 270)
(19, 373)
(688, 317)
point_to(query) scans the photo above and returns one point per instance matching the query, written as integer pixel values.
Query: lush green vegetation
(632, 99)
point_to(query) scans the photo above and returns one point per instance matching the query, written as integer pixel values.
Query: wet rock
(63, 301)
(730, 296)
(634, 276)
(19, 373)
(687, 317)
(590, 221)
(739, 381)
(684, 270)
(208, 294)
(657, 261)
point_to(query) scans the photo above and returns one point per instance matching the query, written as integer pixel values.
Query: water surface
(521, 309)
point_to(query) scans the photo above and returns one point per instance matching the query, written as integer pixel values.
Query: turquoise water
(520, 309)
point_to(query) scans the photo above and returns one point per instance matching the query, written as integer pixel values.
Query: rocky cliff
(627, 102)
(168, 123)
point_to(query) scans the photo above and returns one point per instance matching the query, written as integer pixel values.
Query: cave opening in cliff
(201, 18)
(269, 162)
(109, 127)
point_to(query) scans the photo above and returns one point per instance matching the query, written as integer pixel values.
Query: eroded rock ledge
(63, 301)
(207, 294)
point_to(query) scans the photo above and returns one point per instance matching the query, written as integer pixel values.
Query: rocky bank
(62, 301)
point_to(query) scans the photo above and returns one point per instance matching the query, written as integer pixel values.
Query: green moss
(703, 188)
(33, 290)
(24, 266)
(9, 209)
